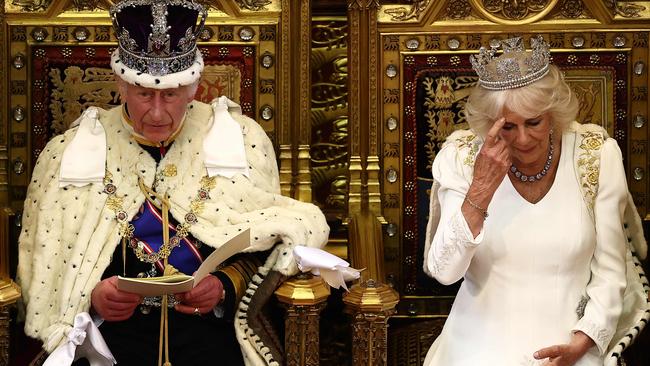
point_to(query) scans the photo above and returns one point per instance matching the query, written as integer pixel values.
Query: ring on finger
(197, 311)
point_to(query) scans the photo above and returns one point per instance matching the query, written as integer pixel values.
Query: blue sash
(148, 229)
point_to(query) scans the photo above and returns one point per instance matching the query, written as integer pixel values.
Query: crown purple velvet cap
(157, 42)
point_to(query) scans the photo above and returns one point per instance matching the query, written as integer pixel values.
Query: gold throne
(55, 64)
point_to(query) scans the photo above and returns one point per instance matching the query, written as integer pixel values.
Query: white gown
(527, 271)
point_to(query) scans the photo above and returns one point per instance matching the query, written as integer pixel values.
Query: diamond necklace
(536, 177)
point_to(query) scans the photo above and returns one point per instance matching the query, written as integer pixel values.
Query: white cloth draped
(334, 270)
(83, 340)
(84, 159)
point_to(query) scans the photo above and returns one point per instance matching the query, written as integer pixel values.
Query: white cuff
(600, 336)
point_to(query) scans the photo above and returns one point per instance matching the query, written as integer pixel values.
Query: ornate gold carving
(226, 33)
(391, 96)
(301, 340)
(18, 34)
(304, 297)
(267, 33)
(629, 10)
(639, 93)
(60, 33)
(77, 90)
(32, 5)
(458, 9)
(409, 343)
(432, 42)
(4, 120)
(85, 5)
(329, 155)
(330, 35)
(4, 335)
(267, 86)
(355, 188)
(304, 87)
(363, 4)
(374, 185)
(641, 39)
(572, 8)
(254, 5)
(598, 40)
(404, 13)
(391, 43)
(303, 188)
(639, 147)
(371, 305)
(285, 168)
(514, 11)
(391, 200)
(391, 150)
(373, 51)
(284, 135)
(355, 89)
(18, 87)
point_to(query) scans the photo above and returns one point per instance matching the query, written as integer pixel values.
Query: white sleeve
(453, 244)
(607, 284)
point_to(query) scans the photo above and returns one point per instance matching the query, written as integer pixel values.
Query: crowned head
(157, 42)
(515, 67)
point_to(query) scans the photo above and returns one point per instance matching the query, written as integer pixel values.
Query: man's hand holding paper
(204, 296)
(181, 283)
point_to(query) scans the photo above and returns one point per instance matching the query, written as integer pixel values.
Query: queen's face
(155, 114)
(527, 138)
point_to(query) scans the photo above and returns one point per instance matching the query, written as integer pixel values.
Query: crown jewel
(515, 67)
(153, 42)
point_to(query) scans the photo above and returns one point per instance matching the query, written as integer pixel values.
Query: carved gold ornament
(514, 11)
(32, 5)
(404, 13)
(254, 5)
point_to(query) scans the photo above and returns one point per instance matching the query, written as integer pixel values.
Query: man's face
(155, 113)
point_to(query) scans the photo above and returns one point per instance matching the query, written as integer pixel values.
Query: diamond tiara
(515, 67)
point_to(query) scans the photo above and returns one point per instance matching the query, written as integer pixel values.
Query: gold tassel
(124, 256)
(165, 309)
(168, 269)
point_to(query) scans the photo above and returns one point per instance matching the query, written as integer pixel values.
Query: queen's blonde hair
(549, 94)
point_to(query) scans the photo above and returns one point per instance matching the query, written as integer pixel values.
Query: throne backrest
(58, 65)
(423, 80)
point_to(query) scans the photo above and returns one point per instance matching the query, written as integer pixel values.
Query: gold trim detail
(629, 10)
(254, 5)
(404, 13)
(238, 281)
(467, 142)
(588, 166)
(371, 305)
(304, 290)
(514, 12)
(5, 337)
(304, 297)
(32, 5)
